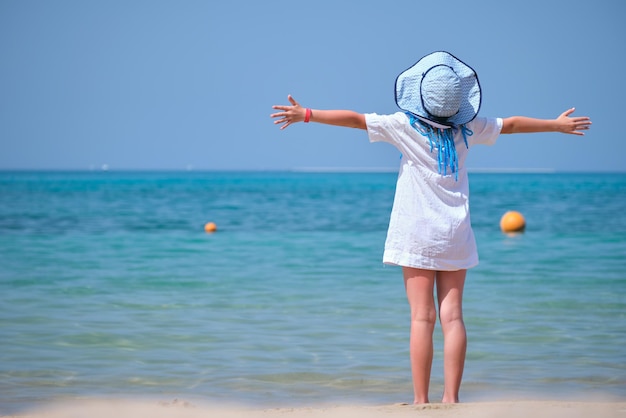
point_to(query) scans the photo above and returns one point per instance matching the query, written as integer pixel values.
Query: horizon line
(476, 170)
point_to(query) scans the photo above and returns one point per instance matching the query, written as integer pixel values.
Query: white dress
(430, 225)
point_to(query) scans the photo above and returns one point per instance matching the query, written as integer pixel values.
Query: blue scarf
(443, 140)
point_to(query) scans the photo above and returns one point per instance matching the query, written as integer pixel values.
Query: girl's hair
(443, 140)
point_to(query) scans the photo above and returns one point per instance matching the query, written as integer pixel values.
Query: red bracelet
(307, 116)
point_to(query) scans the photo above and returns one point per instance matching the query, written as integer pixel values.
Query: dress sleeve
(486, 131)
(386, 128)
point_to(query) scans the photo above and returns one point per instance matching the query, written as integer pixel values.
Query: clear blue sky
(169, 84)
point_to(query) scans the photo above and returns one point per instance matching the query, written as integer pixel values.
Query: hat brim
(408, 88)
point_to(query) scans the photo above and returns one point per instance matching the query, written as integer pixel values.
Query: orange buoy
(210, 227)
(512, 221)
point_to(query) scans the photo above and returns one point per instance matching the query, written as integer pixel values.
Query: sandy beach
(183, 409)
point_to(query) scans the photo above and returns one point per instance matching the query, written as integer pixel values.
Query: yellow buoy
(210, 227)
(512, 221)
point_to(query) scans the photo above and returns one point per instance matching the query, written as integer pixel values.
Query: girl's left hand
(289, 114)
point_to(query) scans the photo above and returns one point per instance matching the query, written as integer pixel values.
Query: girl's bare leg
(450, 295)
(419, 286)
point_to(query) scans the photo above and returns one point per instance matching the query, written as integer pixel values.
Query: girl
(430, 234)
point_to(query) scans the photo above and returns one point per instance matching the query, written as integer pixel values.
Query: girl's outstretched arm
(297, 113)
(564, 123)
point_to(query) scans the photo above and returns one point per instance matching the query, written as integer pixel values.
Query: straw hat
(440, 90)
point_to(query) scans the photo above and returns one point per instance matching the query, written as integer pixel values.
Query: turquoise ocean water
(109, 287)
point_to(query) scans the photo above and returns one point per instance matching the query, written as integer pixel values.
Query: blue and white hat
(440, 90)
